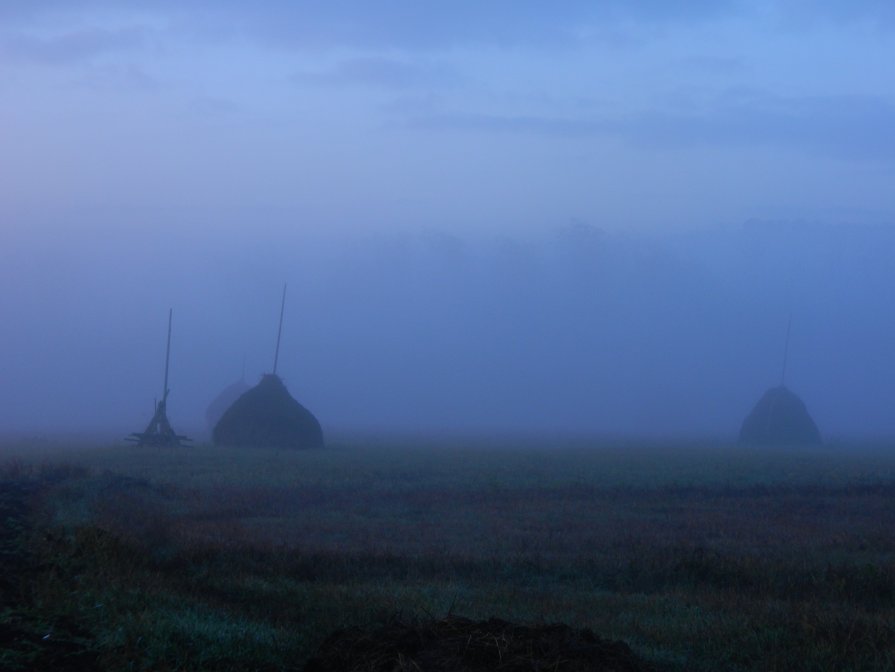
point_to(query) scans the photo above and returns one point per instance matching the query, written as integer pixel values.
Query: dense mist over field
(579, 331)
(493, 217)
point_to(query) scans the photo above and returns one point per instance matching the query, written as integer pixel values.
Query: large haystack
(268, 416)
(779, 417)
(224, 400)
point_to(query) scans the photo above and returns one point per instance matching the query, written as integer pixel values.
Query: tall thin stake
(786, 351)
(167, 354)
(276, 355)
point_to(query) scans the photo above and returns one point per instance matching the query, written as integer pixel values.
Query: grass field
(700, 556)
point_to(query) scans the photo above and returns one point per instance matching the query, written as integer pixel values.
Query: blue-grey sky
(420, 174)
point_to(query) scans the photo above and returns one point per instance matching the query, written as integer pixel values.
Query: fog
(579, 332)
(506, 219)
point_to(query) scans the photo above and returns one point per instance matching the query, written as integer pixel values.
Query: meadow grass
(700, 556)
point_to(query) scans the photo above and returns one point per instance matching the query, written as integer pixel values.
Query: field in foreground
(700, 557)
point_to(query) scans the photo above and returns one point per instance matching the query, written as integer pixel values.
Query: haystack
(224, 400)
(779, 417)
(268, 416)
(159, 432)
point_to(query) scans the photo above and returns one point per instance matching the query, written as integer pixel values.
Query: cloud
(121, 77)
(880, 13)
(383, 72)
(403, 24)
(839, 126)
(69, 47)
(509, 123)
(843, 126)
(409, 24)
(215, 107)
(414, 25)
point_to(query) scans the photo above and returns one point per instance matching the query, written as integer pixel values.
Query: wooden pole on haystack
(276, 355)
(167, 355)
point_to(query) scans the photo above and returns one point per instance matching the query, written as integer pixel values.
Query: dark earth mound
(268, 416)
(457, 644)
(224, 400)
(779, 417)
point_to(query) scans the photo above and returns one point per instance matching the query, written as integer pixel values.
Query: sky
(576, 217)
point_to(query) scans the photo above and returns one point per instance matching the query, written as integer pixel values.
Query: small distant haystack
(224, 400)
(159, 432)
(779, 417)
(267, 416)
